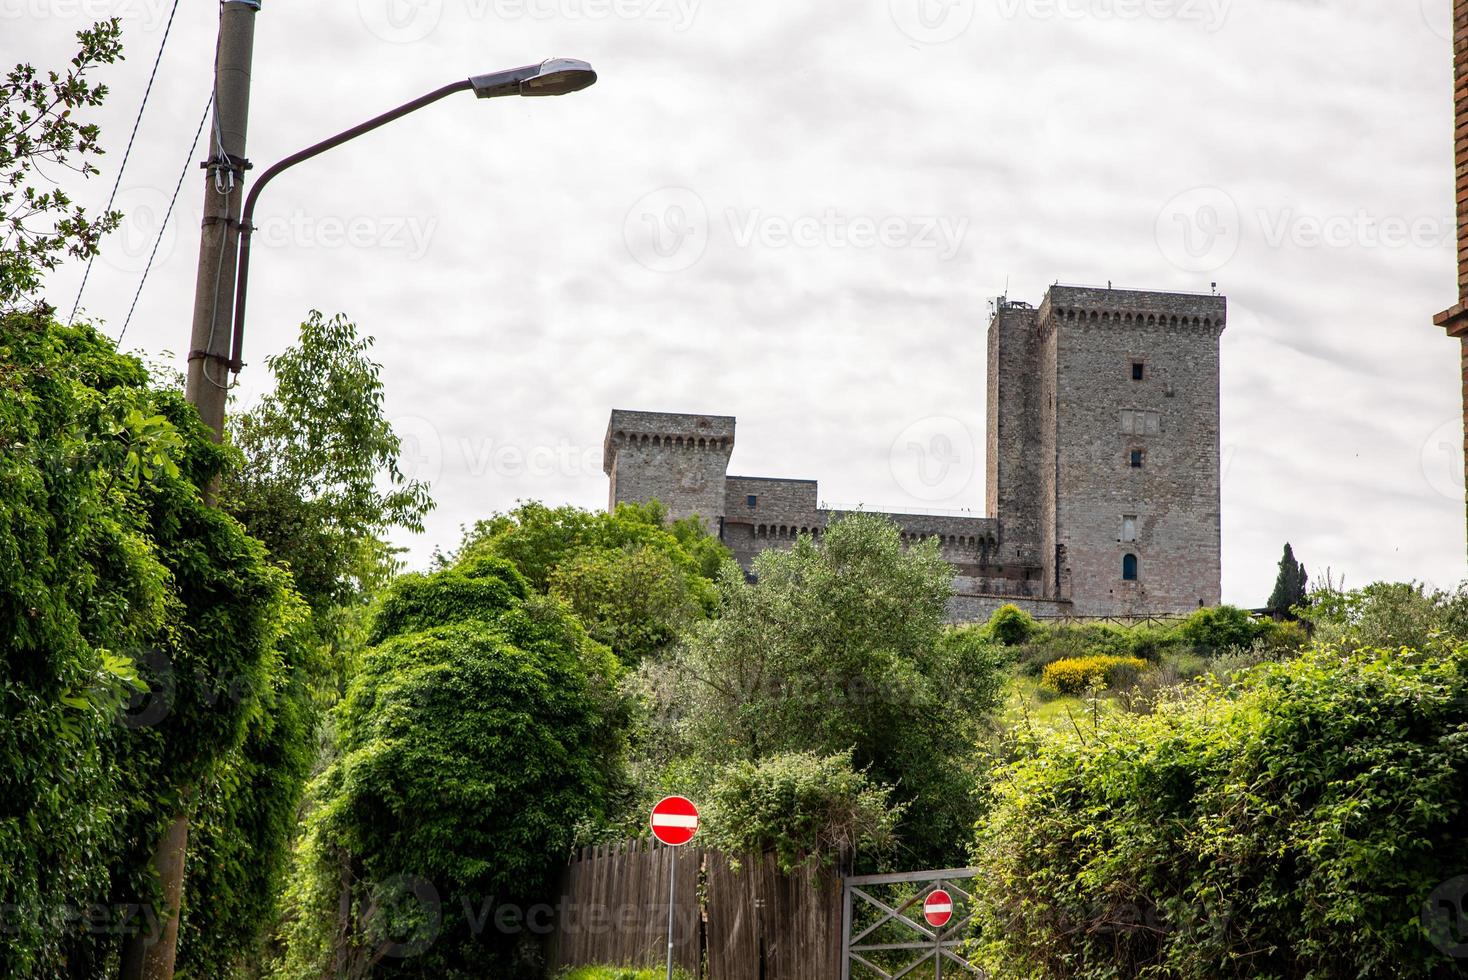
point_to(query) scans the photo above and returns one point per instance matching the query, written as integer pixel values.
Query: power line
(164, 226)
(126, 153)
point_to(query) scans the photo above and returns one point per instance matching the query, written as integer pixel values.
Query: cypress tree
(1289, 587)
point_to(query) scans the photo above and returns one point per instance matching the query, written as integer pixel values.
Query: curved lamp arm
(247, 216)
(556, 76)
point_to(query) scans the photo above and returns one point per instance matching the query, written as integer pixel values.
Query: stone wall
(965, 608)
(782, 510)
(966, 542)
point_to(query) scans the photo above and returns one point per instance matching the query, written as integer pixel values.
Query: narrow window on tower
(752, 500)
(1136, 459)
(1129, 568)
(1129, 527)
(1139, 370)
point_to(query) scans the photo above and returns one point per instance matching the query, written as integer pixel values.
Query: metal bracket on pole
(226, 163)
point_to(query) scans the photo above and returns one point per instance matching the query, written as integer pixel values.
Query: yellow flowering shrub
(1075, 675)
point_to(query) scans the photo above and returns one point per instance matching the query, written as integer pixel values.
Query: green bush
(482, 727)
(1213, 631)
(1077, 675)
(1069, 642)
(1293, 825)
(1011, 625)
(841, 645)
(1389, 614)
(633, 579)
(801, 807)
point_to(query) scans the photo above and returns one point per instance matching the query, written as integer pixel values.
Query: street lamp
(555, 76)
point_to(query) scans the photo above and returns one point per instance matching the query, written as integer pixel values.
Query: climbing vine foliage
(143, 632)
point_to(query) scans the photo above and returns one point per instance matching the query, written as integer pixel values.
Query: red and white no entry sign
(675, 820)
(938, 908)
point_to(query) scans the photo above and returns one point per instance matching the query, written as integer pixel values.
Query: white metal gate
(914, 937)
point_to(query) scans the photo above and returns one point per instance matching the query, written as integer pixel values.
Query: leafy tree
(320, 487)
(634, 580)
(321, 484)
(1293, 825)
(40, 128)
(1290, 586)
(840, 645)
(481, 719)
(635, 601)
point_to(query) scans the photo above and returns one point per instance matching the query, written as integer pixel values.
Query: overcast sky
(796, 213)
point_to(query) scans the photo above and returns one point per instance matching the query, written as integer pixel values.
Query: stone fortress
(1102, 463)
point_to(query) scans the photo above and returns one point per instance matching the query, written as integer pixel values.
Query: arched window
(1129, 568)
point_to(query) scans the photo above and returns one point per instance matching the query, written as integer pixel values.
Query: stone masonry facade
(1102, 482)
(1455, 318)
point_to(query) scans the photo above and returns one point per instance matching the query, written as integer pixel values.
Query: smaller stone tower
(680, 460)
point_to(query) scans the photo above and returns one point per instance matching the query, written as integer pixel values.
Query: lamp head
(554, 76)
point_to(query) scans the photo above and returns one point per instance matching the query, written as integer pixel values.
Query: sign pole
(674, 821)
(672, 894)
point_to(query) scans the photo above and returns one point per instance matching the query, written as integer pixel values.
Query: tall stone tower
(1137, 520)
(1455, 319)
(1104, 446)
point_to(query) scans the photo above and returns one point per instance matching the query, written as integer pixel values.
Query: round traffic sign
(675, 820)
(938, 908)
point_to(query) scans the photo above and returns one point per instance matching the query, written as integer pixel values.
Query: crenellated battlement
(1132, 309)
(666, 430)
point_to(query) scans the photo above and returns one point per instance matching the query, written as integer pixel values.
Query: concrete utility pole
(224, 194)
(152, 957)
(1455, 319)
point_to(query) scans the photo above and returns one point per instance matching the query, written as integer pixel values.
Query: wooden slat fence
(1125, 622)
(615, 907)
(753, 924)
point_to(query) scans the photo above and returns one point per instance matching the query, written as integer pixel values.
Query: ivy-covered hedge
(140, 629)
(481, 730)
(1295, 825)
